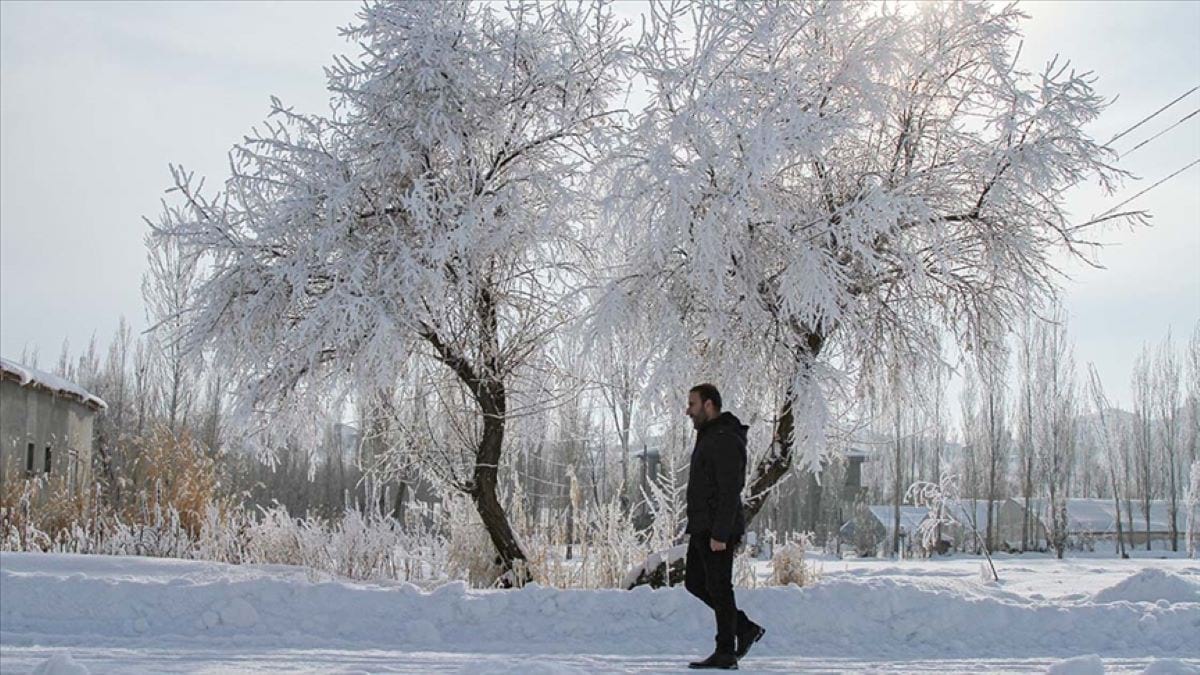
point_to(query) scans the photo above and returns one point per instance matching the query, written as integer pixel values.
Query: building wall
(31, 415)
(1009, 521)
(1006, 534)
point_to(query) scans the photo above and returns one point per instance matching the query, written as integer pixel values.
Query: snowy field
(68, 614)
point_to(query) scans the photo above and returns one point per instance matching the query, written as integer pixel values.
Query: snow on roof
(910, 516)
(1090, 515)
(28, 377)
(1099, 515)
(963, 508)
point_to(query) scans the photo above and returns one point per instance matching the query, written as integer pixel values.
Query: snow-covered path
(355, 661)
(154, 615)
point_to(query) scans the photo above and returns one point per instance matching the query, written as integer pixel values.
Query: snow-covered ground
(106, 614)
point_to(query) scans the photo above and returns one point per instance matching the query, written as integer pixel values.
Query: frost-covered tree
(1192, 398)
(167, 289)
(432, 214)
(619, 369)
(1027, 397)
(985, 424)
(1057, 421)
(1141, 383)
(937, 383)
(974, 436)
(1108, 432)
(1166, 404)
(821, 184)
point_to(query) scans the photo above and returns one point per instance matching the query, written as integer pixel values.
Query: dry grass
(173, 473)
(790, 566)
(35, 512)
(171, 479)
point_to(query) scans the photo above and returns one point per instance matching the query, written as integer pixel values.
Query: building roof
(1099, 515)
(975, 511)
(32, 377)
(910, 517)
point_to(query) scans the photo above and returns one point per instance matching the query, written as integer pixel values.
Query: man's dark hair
(707, 392)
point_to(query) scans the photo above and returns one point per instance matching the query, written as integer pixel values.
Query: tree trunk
(1028, 533)
(1172, 505)
(771, 468)
(624, 422)
(775, 464)
(1117, 506)
(398, 506)
(896, 487)
(1129, 542)
(489, 393)
(1146, 504)
(937, 476)
(993, 451)
(570, 529)
(483, 487)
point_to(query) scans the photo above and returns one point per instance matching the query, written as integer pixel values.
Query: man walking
(716, 523)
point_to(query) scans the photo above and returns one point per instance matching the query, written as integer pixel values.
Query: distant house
(972, 518)
(969, 516)
(1089, 522)
(1093, 520)
(45, 425)
(875, 523)
(853, 491)
(825, 504)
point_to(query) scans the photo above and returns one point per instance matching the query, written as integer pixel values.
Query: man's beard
(697, 421)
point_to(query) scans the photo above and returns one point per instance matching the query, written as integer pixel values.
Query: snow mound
(1170, 667)
(1080, 665)
(1151, 585)
(239, 613)
(64, 600)
(61, 664)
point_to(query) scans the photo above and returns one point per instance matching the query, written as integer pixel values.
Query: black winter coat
(715, 480)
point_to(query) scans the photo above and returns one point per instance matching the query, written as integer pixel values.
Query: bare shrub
(789, 564)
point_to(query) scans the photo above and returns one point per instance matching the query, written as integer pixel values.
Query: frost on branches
(431, 215)
(941, 498)
(938, 498)
(822, 188)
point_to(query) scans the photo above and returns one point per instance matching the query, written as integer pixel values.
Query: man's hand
(716, 545)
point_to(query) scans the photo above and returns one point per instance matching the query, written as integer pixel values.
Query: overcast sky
(97, 98)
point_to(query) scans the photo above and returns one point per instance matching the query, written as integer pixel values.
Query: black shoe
(718, 660)
(746, 640)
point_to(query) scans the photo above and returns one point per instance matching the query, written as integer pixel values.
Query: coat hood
(727, 421)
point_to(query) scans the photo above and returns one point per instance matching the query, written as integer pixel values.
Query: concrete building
(45, 425)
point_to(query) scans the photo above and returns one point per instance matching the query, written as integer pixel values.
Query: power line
(1181, 121)
(1152, 115)
(1194, 163)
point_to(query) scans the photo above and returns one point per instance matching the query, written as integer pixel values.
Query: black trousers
(709, 577)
